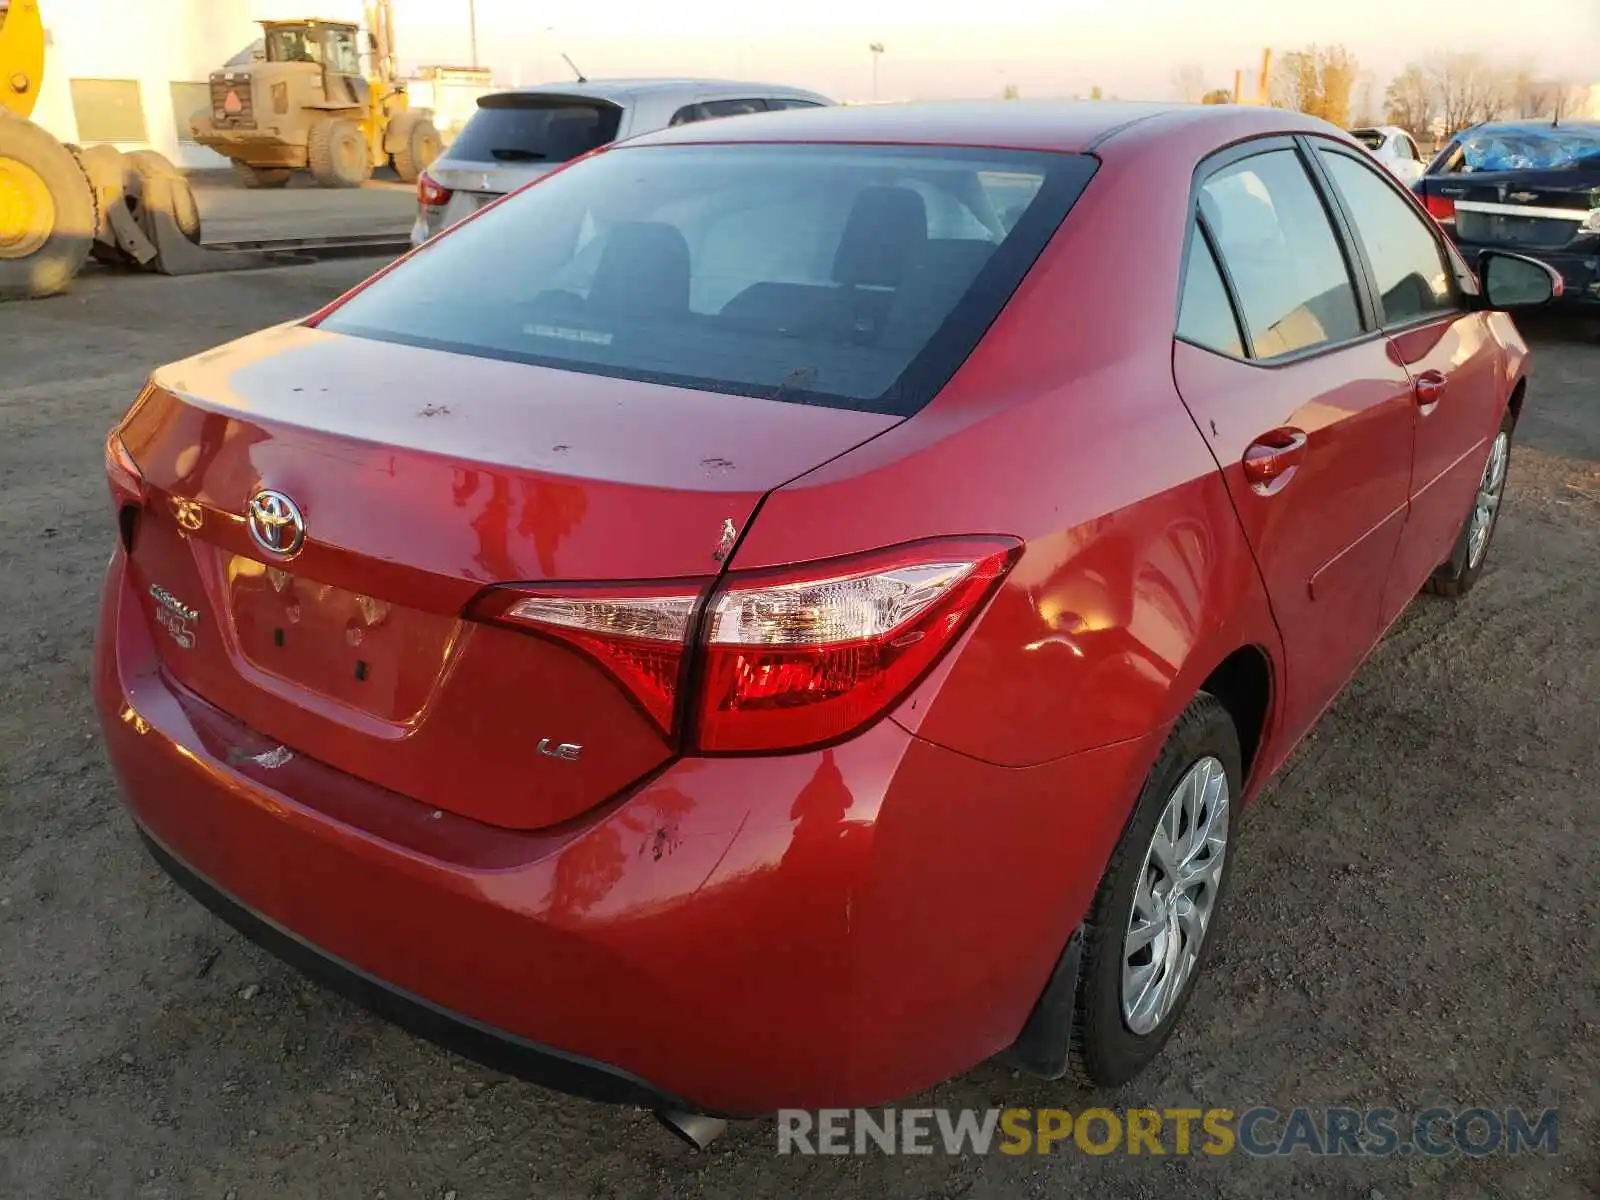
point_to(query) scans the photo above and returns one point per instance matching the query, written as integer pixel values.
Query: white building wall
(157, 43)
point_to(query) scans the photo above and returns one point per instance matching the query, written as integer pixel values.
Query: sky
(1127, 48)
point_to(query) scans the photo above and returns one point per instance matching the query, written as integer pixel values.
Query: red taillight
(636, 634)
(787, 659)
(1440, 208)
(430, 192)
(127, 488)
(122, 473)
(805, 656)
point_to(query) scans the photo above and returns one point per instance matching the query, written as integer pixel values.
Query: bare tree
(1365, 111)
(1318, 80)
(1188, 83)
(1532, 98)
(1469, 89)
(1218, 96)
(1411, 102)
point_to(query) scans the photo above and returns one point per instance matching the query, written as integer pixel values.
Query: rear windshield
(852, 276)
(523, 128)
(1370, 138)
(1526, 148)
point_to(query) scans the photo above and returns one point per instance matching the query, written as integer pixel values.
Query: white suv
(519, 135)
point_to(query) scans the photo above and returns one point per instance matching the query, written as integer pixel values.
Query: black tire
(261, 177)
(419, 146)
(1456, 576)
(1105, 1052)
(43, 261)
(144, 165)
(337, 153)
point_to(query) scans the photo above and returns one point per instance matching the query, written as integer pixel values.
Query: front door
(1307, 412)
(1449, 352)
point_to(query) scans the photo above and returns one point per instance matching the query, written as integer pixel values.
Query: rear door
(1309, 416)
(1449, 352)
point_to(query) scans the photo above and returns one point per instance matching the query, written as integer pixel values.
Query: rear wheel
(47, 212)
(337, 153)
(417, 150)
(1149, 930)
(261, 177)
(1456, 575)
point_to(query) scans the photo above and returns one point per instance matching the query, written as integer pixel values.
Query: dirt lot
(1413, 921)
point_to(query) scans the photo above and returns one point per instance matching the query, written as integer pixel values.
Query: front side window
(1293, 284)
(779, 102)
(343, 56)
(814, 274)
(1408, 266)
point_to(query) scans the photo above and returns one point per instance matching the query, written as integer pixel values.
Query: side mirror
(1516, 281)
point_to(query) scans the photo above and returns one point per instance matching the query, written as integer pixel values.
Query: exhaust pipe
(698, 1131)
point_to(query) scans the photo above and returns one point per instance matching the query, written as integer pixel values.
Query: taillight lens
(803, 657)
(1440, 208)
(788, 659)
(431, 192)
(127, 489)
(122, 473)
(637, 635)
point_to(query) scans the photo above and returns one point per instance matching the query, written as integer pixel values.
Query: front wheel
(1456, 575)
(1151, 925)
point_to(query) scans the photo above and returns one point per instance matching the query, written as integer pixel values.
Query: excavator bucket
(164, 198)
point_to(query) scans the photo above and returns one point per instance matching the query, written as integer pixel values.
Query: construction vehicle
(59, 204)
(309, 105)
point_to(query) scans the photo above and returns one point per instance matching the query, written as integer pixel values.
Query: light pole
(876, 50)
(472, 28)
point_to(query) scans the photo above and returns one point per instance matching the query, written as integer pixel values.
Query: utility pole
(876, 50)
(472, 28)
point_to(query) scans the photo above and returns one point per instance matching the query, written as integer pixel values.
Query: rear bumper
(734, 936)
(493, 1048)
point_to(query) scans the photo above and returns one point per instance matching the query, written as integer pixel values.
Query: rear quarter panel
(1064, 428)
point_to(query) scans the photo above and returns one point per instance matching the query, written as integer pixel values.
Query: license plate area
(375, 656)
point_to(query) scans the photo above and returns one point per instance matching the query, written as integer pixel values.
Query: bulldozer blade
(130, 238)
(172, 253)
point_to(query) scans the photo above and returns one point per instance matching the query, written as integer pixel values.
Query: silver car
(519, 135)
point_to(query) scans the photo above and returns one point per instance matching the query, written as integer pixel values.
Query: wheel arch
(1243, 683)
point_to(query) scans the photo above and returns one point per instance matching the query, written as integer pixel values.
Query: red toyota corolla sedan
(785, 609)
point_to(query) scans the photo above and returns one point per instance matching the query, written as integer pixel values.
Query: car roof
(1063, 125)
(1530, 125)
(613, 89)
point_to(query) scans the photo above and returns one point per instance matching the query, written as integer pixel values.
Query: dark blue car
(1529, 187)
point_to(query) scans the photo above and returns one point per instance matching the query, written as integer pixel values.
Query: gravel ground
(1412, 921)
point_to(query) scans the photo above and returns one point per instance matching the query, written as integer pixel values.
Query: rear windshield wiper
(509, 154)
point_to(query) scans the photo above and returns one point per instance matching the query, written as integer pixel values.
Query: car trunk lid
(421, 478)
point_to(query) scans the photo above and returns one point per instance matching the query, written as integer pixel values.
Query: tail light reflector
(431, 192)
(127, 488)
(785, 659)
(637, 635)
(805, 656)
(1440, 208)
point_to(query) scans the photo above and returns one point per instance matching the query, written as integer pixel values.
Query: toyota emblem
(275, 524)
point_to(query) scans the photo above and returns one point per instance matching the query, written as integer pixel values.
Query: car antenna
(575, 70)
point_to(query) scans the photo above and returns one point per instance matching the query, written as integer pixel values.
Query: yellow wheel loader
(308, 104)
(59, 204)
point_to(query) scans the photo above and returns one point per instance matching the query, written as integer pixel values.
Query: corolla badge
(275, 523)
(176, 617)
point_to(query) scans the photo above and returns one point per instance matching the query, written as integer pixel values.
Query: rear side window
(1407, 263)
(785, 102)
(732, 108)
(1205, 316)
(1294, 287)
(522, 128)
(851, 276)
